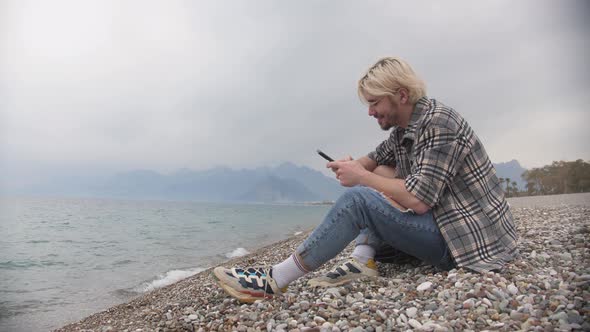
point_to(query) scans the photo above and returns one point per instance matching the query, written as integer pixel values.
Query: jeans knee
(357, 193)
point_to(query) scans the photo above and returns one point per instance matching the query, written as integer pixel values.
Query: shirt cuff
(373, 156)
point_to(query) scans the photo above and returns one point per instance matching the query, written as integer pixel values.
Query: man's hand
(334, 169)
(348, 172)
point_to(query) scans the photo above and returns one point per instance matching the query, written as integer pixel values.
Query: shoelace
(266, 285)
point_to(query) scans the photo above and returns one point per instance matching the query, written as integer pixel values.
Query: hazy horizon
(287, 180)
(101, 87)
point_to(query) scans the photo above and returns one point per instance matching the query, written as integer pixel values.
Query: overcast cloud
(163, 85)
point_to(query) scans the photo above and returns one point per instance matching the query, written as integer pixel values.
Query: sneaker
(249, 284)
(345, 273)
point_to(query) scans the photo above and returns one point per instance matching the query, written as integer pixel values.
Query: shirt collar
(420, 108)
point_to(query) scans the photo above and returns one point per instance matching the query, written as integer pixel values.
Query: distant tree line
(561, 177)
(510, 187)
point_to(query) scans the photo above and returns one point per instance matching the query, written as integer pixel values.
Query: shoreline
(548, 287)
(258, 256)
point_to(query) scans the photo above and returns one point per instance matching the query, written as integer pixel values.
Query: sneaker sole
(245, 296)
(322, 283)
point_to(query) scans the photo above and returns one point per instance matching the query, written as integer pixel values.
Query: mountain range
(284, 183)
(513, 171)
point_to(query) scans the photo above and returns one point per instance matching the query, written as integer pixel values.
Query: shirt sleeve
(440, 152)
(384, 153)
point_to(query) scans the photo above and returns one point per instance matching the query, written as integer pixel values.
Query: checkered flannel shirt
(445, 165)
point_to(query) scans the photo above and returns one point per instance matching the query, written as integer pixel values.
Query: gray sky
(163, 85)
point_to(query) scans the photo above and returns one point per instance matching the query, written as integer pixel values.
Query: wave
(169, 278)
(238, 252)
(38, 241)
(123, 262)
(26, 264)
(8, 309)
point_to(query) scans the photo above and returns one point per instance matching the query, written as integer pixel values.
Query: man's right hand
(348, 158)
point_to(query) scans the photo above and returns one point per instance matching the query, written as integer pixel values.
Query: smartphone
(325, 156)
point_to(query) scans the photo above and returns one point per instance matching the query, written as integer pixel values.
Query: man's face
(384, 109)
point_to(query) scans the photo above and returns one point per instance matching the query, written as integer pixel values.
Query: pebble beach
(546, 289)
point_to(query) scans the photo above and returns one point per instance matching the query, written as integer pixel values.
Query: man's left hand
(349, 173)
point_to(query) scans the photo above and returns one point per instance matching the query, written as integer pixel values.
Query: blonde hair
(389, 74)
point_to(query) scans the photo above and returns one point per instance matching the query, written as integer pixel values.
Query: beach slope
(546, 289)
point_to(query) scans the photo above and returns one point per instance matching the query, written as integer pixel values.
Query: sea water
(62, 259)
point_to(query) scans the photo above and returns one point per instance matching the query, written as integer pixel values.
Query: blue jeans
(365, 214)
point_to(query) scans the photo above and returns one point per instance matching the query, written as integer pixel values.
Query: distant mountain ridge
(285, 183)
(512, 170)
(275, 189)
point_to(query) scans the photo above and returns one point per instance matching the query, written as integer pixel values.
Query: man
(429, 191)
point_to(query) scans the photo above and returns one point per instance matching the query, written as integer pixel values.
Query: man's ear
(404, 95)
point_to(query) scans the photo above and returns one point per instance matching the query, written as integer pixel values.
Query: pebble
(468, 304)
(519, 316)
(414, 323)
(431, 306)
(304, 305)
(512, 289)
(402, 319)
(424, 286)
(411, 312)
(559, 316)
(270, 325)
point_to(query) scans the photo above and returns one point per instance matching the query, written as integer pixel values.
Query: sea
(62, 259)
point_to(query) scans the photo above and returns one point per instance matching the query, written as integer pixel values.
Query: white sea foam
(169, 278)
(238, 252)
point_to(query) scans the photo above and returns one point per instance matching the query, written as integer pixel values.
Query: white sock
(287, 271)
(363, 253)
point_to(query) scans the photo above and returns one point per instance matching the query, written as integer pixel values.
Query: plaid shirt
(445, 165)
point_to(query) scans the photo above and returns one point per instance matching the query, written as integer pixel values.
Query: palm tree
(514, 189)
(507, 187)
